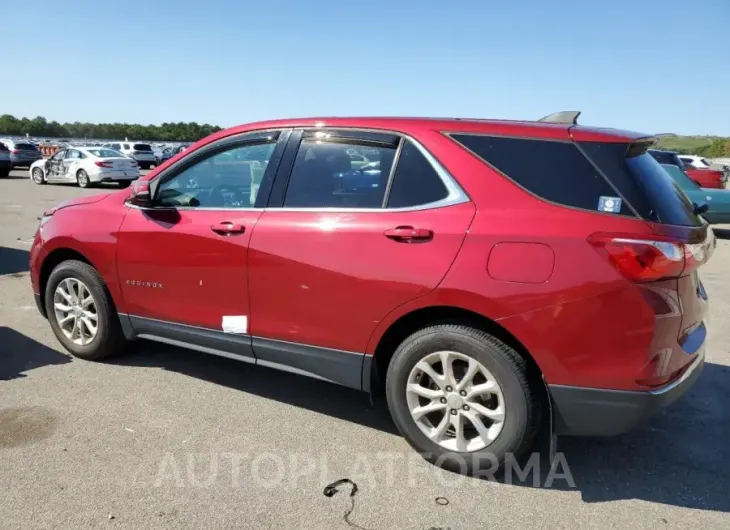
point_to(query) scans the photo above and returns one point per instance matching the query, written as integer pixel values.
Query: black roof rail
(569, 117)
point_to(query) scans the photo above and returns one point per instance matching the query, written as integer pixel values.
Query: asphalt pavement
(168, 438)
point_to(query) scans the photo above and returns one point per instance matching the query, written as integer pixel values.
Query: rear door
(329, 260)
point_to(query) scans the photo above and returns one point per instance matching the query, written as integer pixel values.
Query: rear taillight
(15, 151)
(652, 258)
(103, 164)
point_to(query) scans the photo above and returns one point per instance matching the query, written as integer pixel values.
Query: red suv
(486, 272)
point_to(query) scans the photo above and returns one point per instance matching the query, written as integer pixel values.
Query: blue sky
(645, 65)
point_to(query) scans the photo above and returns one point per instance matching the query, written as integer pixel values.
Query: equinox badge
(137, 283)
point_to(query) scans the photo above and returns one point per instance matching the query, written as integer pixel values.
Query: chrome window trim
(456, 194)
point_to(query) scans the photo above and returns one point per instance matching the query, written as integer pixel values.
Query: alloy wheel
(83, 178)
(455, 401)
(37, 175)
(76, 311)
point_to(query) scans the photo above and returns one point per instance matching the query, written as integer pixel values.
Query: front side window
(58, 155)
(227, 179)
(326, 176)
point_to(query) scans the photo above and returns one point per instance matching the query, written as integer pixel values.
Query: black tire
(4, 173)
(522, 398)
(109, 339)
(82, 179)
(38, 172)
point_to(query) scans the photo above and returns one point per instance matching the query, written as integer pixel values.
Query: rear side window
(643, 182)
(415, 181)
(553, 170)
(141, 147)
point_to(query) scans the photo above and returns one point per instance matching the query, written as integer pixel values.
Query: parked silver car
(22, 152)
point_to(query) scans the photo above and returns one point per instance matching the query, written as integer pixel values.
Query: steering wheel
(216, 196)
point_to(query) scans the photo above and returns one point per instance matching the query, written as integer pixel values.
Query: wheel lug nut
(466, 407)
(463, 393)
(443, 400)
(453, 412)
(449, 389)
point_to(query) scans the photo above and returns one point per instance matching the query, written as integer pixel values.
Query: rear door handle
(226, 228)
(407, 234)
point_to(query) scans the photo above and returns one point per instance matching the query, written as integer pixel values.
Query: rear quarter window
(553, 170)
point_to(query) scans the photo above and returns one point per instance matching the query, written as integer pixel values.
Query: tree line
(167, 132)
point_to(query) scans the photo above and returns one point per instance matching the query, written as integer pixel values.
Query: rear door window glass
(326, 176)
(553, 170)
(415, 181)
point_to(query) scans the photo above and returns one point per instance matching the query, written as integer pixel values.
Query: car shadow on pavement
(679, 458)
(19, 354)
(305, 392)
(13, 261)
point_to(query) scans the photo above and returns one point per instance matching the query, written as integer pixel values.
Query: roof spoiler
(568, 117)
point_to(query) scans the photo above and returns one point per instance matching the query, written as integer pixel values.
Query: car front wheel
(37, 175)
(81, 312)
(462, 398)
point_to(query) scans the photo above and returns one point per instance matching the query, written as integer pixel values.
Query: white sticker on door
(235, 324)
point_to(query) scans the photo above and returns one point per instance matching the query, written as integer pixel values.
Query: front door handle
(408, 234)
(226, 228)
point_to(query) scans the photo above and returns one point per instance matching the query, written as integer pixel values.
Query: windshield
(105, 153)
(680, 177)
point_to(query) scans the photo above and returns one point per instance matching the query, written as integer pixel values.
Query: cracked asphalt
(168, 438)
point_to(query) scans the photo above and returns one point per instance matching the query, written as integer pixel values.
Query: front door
(351, 241)
(54, 165)
(184, 261)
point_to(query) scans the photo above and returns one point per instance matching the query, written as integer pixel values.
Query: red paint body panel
(333, 279)
(707, 178)
(327, 279)
(203, 274)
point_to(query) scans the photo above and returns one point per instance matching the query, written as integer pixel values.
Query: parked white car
(85, 166)
(697, 162)
(142, 153)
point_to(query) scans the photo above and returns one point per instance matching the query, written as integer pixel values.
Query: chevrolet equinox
(485, 273)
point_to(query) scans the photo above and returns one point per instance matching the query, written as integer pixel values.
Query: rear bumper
(113, 176)
(582, 411)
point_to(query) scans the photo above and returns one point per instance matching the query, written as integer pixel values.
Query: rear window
(680, 177)
(141, 147)
(668, 158)
(554, 170)
(25, 147)
(105, 153)
(643, 182)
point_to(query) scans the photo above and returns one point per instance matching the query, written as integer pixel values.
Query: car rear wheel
(462, 398)
(4, 173)
(37, 175)
(82, 178)
(81, 312)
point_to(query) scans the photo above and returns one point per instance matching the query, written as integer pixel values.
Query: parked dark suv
(490, 270)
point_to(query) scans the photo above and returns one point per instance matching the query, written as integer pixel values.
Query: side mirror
(140, 195)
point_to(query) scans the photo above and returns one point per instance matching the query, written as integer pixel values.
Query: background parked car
(22, 153)
(140, 152)
(717, 201)
(85, 166)
(705, 178)
(5, 164)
